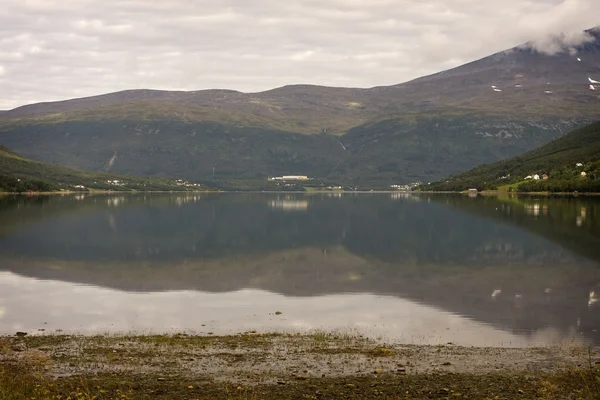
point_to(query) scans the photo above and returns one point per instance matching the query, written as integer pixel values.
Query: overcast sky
(59, 49)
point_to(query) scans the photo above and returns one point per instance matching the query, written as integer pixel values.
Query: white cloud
(560, 43)
(53, 49)
(301, 56)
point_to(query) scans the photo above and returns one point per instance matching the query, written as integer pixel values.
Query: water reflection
(289, 205)
(404, 196)
(571, 222)
(85, 309)
(115, 201)
(496, 270)
(594, 297)
(581, 217)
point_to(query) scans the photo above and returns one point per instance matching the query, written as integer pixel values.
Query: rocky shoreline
(265, 366)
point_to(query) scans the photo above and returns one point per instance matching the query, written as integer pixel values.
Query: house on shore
(290, 178)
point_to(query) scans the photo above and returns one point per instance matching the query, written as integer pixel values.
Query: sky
(60, 49)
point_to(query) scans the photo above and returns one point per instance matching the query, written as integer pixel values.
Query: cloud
(552, 31)
(565, 42)
(59, 49)
(301, 56)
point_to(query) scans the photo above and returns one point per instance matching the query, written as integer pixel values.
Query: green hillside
(401, 149)
(418, 131)
(558, 160)
(19, 174)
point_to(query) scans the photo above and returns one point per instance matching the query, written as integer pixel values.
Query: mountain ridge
(523, 48)
(421, 130)
(487, 69)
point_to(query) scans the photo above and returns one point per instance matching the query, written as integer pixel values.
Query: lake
(421, 269)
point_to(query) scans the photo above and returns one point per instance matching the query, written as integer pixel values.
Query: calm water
(415, 269)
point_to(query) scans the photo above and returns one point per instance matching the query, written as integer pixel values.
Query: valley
(419, 131)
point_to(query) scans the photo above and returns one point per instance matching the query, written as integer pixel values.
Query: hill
(572, 163)
(19, 174)
(422, 130)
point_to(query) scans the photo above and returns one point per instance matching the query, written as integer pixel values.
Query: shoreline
(273, 366)
(503, 193)
(482, 193)
(92, 192)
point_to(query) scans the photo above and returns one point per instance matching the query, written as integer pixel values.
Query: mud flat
(286, 366)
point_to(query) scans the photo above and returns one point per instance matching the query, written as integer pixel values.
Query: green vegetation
(17, 185)
(417, 147)
(418, 131)
(572, 163)
(19, 174)
(425, 147)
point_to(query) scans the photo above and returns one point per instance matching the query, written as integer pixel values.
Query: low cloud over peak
(564, 42)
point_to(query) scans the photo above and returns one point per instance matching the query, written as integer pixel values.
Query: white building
(290, 178)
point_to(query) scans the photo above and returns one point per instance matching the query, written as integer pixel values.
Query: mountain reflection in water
(419, 269)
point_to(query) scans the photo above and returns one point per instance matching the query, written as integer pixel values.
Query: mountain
(422, 130)
(19, 174)
(571, 162)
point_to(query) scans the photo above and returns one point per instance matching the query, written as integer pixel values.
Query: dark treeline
(17, 185)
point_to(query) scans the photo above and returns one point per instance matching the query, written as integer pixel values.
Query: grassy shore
(285, 366)
(107, 192)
